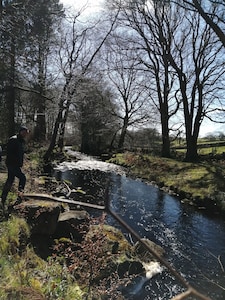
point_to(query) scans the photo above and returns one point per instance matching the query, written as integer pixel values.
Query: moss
(112, 235)
(12, 234)
(24, 275)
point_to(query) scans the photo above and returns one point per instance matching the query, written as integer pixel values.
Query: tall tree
(26, 28)
(153, 25)
(200, 72)
(41, 30)
(93, 109)
(188, 58)
(128, 84)
(12, 32)
(76, 58)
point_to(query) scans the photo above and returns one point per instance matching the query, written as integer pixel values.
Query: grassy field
(205, 147)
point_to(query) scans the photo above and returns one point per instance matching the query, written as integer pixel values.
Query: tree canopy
(137, 65)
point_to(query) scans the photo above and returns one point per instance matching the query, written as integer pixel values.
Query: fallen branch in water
(190, 292)
(218, 259)
(182, 296)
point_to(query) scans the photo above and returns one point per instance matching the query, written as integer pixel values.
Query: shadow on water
(194, 242)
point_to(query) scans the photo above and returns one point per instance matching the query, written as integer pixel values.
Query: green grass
(202, 180)
(212, 150)
(24, 275)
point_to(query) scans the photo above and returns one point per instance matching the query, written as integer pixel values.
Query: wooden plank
(47, 197)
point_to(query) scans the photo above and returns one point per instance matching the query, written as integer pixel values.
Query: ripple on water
(193, 242)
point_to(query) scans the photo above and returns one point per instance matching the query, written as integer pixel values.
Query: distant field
(212, 150)
(204, 147)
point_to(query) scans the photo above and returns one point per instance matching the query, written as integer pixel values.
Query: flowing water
(194, 241)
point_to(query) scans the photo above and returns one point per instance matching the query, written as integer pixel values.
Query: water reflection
(194, 242)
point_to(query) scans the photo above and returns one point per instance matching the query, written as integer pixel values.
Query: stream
(193, 240)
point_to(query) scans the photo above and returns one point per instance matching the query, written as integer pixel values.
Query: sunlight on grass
(24, 275)
(199, 179)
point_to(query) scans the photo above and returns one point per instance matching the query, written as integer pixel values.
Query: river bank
(38, 183)
(78, 259)
(199, 184)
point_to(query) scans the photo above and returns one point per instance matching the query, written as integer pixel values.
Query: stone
(130, 267)
(73, 225)
(41, 216)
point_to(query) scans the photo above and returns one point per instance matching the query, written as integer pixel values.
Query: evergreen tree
(26, 29)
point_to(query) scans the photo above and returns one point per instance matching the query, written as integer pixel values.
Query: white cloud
(91, 6)
(211, 128)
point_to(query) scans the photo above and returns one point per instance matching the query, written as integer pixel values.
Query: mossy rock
(116, 242)
(116, 252)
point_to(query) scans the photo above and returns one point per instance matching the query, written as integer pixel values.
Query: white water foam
(152, 268)
(90, 165)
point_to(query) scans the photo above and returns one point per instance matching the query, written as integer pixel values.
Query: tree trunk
(165, 151)
(123, 133)
(58, 121)
(191, 135)
(40, 130)
(164, 115)
(10, 104)
(192, 149)
(63, 125)
(51, 147)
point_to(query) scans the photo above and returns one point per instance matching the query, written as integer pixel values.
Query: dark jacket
(15, 151)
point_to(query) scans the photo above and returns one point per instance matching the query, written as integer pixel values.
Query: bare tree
(130, 91)
(76, 57)
(200, 72)
(186, 59)
(93, 118)
(212, 12)
(153, 25)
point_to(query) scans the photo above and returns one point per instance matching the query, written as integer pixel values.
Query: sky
(93, 6)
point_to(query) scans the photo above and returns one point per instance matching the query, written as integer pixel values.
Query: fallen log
(63, 200)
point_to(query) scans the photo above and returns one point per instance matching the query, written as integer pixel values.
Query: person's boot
(20, 194)
(19, 198)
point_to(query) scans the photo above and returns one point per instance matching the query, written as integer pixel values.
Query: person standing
(14, 163)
